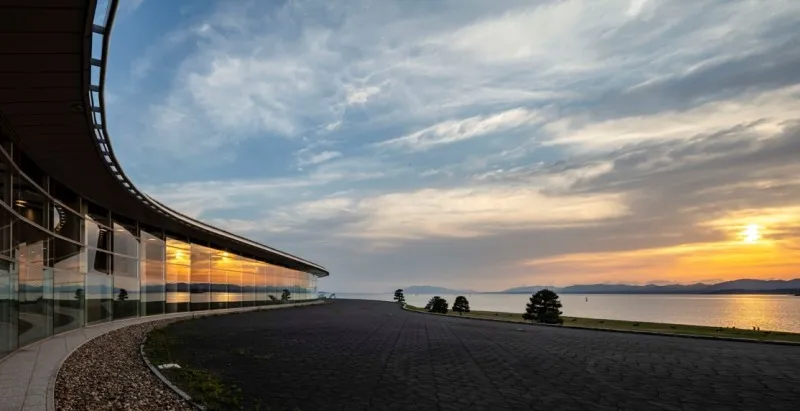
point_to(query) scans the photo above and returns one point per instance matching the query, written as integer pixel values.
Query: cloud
(319, 158)
(478, 211)
(769, 112)
(361, 95)
(452, 131)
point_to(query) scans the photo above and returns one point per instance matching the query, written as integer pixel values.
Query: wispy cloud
(452, 131)
(319, 158)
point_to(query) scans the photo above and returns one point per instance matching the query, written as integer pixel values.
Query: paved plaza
(368, 355)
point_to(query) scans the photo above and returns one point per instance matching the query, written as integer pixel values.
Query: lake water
(770, 312)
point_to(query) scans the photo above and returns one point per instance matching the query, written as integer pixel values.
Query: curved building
(79, 243)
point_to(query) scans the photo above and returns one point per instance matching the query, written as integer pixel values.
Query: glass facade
(66, 262)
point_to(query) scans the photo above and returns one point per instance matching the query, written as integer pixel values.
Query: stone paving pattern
(369, 355)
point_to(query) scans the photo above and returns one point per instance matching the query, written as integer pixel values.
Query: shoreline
(639, 327)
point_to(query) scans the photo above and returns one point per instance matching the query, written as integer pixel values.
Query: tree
(544, 307)
(461, 305)
(123, 294)
(399, 297)
(79, 294)
(429, 305)
(437, 305)
(286, 295)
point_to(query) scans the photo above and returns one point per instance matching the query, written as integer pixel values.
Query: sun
(752, 233)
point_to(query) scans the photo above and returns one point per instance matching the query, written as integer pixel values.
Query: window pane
(5, 181)
(35, 298)
(97, 235)
(124, 240)
(28, 200)
(200, 288)
(178, 272)
(261, 283)
(126, 286)
(27, 242)
(248, 282)
(98, 294)
(98, 261)
(219, 283)
(7, 219)
(66, 223)
(152, 252)
(8, 304)
(97, 214)
(234, 283)
(68, 297)
(63, 194)
(66, 256)
(273, 284)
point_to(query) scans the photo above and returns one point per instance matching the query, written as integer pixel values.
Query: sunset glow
(752, 233)
(748, 253)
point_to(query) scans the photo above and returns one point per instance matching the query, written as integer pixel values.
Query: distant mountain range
(743, 286)
(428, 289)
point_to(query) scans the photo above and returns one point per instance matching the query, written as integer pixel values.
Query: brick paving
(368, 355)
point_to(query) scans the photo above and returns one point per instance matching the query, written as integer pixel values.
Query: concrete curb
(654, 333)
(188, 398)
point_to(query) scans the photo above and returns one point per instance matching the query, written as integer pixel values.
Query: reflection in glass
(261, 283)
(97, 228)
(200, 287)
(126, 286)
(248, 282)
(65, 255)
(234, 295)
(124, 240)
(153, 290)
(27, 200)
(8, 304)
(34, 289)
(98, 295)
(68, 307)
(178, 273)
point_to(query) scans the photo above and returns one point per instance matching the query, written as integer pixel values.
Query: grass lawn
(639, 326)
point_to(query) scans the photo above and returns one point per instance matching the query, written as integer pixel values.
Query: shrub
(461, 305)
(544, 307)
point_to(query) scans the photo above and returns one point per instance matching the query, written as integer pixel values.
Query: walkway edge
(567, 327)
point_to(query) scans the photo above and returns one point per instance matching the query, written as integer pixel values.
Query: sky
(469, 143)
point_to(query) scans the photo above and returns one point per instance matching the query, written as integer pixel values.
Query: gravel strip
(107, 373)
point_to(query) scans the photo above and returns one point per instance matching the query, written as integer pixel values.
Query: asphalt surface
(368, 355)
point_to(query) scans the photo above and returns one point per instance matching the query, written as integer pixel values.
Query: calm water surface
(770, 312)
